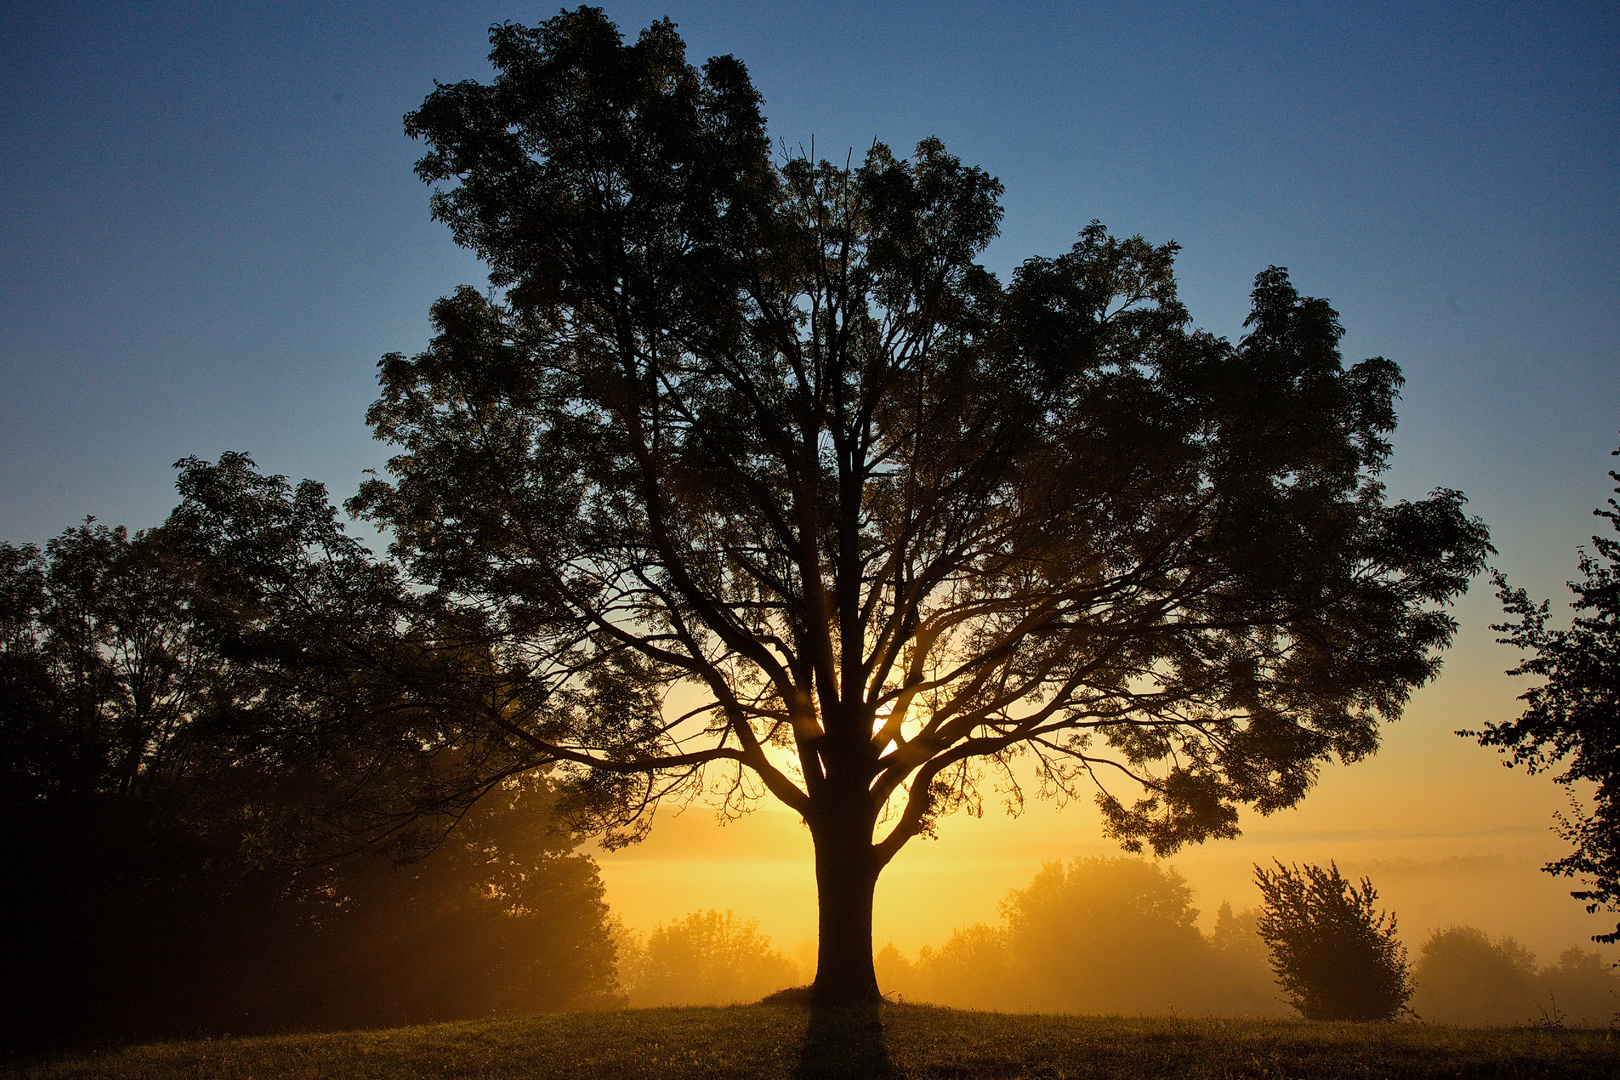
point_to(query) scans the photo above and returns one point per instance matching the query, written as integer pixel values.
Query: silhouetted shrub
(1335, 956)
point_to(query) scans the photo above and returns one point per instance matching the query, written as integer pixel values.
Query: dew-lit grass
(765, 1041)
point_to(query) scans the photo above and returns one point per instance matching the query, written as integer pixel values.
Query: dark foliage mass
(762, 437)
(1572, 720)
(224, 802)
(1335, 955)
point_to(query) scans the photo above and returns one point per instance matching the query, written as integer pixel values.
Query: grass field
(912, 1041)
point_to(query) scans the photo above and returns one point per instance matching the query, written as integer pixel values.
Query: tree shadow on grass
(845, 1043)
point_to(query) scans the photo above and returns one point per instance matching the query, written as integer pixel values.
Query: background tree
(1108, 935)
(1096, 935)
(1243, 981)
(972, 969)
(1334, 955)
(1573, 719)
(750, 475)
(1581, 988)
(1463, 977)
(707, 958)
(216, 756)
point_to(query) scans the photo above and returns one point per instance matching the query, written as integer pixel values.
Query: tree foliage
(1572, 720)
(214, 760)
(748, 473)
(1335, 956)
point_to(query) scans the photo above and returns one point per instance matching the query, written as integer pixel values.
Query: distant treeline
(1119, 935)
(1098, 935)
(228, 798)
(1463, 977)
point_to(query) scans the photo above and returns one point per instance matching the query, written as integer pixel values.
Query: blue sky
(212, 231)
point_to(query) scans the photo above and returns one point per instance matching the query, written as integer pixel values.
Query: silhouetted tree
(1334, 955)
(195, 723)
(1572, 720)
(503, 917)
(751, 466)
(352, 680)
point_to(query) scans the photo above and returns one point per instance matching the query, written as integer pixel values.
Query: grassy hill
(758, 1042)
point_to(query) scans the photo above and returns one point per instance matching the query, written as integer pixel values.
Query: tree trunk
(846, 876)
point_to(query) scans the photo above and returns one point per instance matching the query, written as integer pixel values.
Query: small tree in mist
(1335, 956)
(1463, 977)
(707, 958)
(1243, 976)
(1106, 935)
(970, 970)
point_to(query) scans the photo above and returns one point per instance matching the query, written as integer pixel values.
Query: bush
(1335, 957)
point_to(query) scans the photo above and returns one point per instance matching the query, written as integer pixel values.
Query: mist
(706, 958)
(1119, 935)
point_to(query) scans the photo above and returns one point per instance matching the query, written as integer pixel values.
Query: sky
(211, 233)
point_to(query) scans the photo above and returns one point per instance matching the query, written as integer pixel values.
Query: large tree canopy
(747, 465)
(1571, 721)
